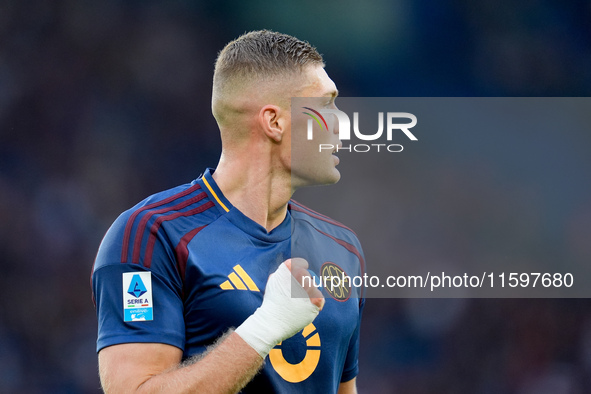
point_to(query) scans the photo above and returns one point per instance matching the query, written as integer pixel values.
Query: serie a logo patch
(137, 296)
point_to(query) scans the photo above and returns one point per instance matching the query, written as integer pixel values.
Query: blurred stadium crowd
(103, 103)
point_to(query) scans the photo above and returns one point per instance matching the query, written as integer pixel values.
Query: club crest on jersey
(336, 282)
(137, 296)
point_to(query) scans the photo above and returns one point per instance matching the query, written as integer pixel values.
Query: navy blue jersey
(184, 266)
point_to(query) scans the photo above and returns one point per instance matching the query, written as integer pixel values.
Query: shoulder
(331, 240)
(176, 211)
(323, 224)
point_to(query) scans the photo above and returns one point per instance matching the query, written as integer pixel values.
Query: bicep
(125, 367)
(349, 387)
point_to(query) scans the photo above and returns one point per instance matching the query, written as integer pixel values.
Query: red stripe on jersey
(156, 226)
(299, 204)
(348, 246)
(300, 208)
(132, 218)
(137, 244)
(182, 250)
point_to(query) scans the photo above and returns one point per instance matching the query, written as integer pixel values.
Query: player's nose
(337, 134)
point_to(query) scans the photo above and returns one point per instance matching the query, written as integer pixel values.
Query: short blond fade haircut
(261, 55)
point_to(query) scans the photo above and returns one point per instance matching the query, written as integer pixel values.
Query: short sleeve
(351, 368)
(135, 303)
(166, 324)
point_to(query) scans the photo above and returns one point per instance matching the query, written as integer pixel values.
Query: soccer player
(202, 288)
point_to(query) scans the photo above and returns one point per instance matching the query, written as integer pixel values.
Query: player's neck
(252, 185)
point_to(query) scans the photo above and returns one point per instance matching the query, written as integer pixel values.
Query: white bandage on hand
(280, 316)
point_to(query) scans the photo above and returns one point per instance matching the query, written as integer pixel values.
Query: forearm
(226, 368)
(231, 363)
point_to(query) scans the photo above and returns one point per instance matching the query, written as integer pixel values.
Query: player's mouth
(336, 158)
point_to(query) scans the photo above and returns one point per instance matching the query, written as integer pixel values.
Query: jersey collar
(215, 193)
(231, 213)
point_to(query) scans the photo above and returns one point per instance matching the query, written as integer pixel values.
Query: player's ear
(272, 120)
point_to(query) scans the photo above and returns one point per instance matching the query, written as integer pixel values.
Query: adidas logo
(239, 279)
